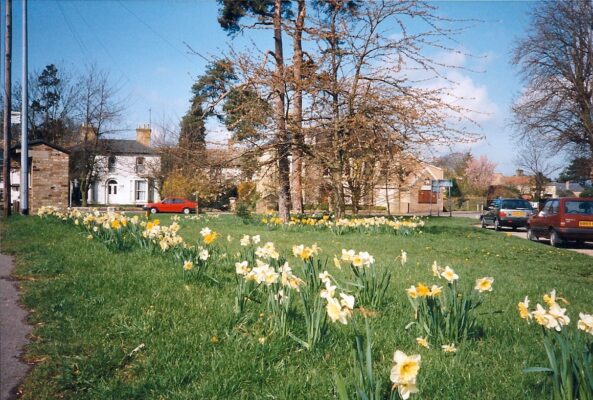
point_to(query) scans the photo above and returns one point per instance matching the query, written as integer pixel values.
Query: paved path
(13, 333)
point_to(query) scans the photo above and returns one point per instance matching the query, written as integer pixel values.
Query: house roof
(38, 142)
(121, 147)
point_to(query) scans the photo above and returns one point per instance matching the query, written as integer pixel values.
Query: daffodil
(550, 298)
(484, 284)
(203, 255)
(523, 307)
(423, 342)
(188, 265)
(242, 268)
(585, 323)
(412, 292)
(405, 369)
(449, 275)
(337, 263)
(449, 348)
(406, 389)
(435, 290)
(422, 290)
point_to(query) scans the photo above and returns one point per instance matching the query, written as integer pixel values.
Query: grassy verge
(93, 307)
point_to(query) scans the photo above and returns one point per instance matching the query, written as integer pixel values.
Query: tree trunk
(282, 141)
(297, 128)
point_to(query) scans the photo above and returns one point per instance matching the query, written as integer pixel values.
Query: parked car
(172, 204)
(563, 219)
(507, 212)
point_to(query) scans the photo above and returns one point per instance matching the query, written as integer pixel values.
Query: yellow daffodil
(423, 342)
(484, 284)
(188, 265)
(550, 298)
(422, 290)
(210, 237)
(523, 307)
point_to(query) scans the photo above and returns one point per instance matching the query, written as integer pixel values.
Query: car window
(554, 206)
(166, 201)
(179, 201)
(515, 204)
(583, 207)
(548, 207)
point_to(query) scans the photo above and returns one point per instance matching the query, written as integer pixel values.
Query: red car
(172, 204)
(563, 219)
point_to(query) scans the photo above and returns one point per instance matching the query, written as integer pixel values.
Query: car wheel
(530, 235)
(153, 210)
(555, 240)
(496, 225)
(186, 211)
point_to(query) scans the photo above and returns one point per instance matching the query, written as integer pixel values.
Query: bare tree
(556, 62)
(364, 99)
(99, 108)
(534, 156)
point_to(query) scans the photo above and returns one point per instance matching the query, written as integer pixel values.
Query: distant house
(411, 194)
(125, 171)
(521, 182)
(554, 189)
(48, 175)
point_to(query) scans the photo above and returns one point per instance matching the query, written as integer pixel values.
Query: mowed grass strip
(92, 307)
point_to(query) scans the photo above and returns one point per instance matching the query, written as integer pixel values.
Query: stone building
(48, 175)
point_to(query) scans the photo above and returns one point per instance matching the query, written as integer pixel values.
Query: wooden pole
(7, 106)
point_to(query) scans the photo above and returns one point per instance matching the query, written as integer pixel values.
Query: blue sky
(141, 44)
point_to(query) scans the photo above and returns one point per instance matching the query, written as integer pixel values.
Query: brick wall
(49, 178)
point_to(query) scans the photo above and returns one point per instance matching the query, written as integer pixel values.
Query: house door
(111, 191)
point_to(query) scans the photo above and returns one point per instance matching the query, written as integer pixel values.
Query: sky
(144, 45)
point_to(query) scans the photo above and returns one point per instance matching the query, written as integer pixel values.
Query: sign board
(437, 184)
(15, 117)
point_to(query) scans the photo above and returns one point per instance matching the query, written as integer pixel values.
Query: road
(586, 248)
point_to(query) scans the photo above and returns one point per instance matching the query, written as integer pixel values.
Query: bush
(587, 192)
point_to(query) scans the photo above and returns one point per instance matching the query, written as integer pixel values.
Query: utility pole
(24, 124)
(7, 106)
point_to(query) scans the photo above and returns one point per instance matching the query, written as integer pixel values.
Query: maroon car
(563, 219)
(172, 204)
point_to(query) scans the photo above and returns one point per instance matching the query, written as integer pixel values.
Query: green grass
(91, 307)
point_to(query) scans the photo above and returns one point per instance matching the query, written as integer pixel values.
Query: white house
(125, 171)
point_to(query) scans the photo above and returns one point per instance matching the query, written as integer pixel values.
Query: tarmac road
(586, 248)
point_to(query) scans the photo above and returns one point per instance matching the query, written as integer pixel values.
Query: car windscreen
(584, 207)
(515, 204)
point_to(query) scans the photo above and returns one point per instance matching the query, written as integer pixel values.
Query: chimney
(519, 172)
(567, 185)
(143, 135)
(87, 133)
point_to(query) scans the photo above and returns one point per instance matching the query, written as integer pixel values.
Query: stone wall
(49, 178)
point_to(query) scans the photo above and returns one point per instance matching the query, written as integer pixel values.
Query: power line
(83, 48)
(154, 31)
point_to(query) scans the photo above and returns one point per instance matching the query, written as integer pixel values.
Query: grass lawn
(92, 307)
